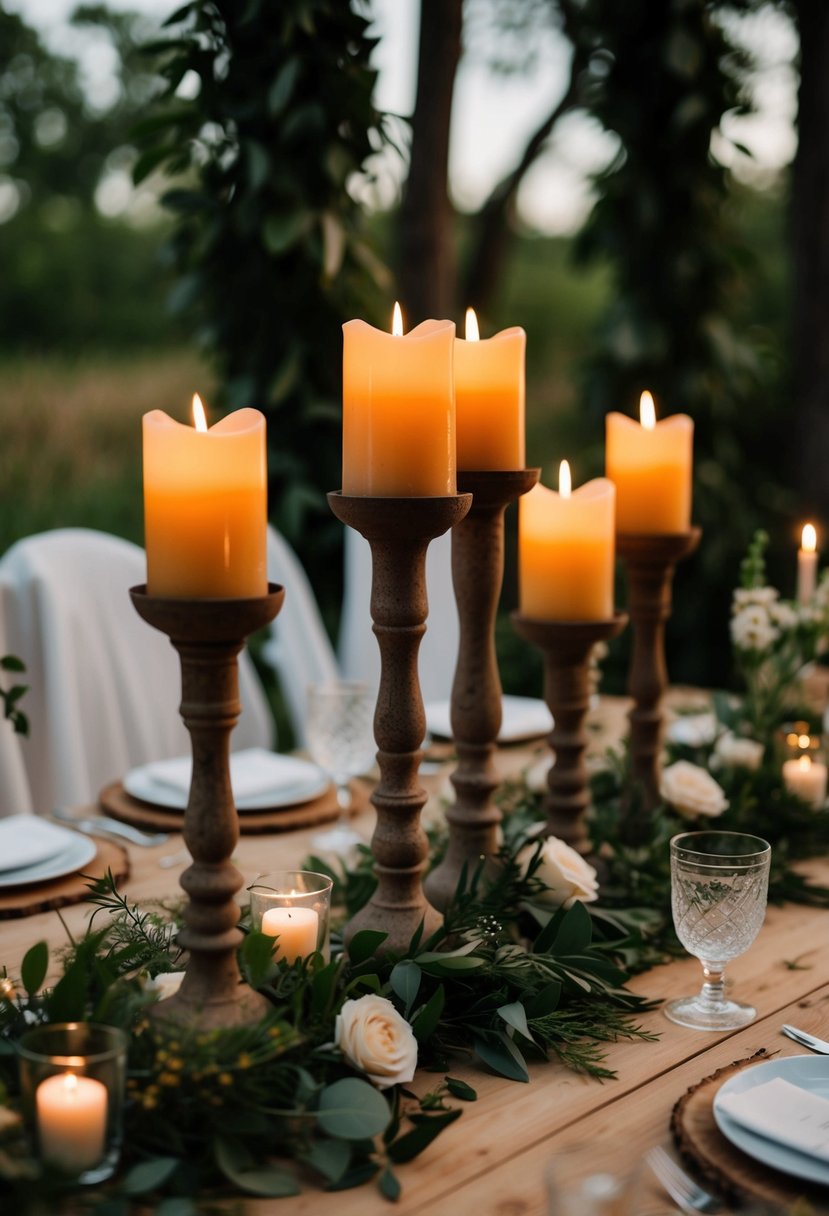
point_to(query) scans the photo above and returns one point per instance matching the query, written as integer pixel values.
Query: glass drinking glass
(719, 884)
(339, 732)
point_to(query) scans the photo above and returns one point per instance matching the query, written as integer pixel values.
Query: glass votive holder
(72, 1077)
(799, 739)
(293, 907)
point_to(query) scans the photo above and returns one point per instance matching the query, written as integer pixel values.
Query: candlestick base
(566, 647)
(475, 712)
(650, 559)
(208, 635)
(398, 531)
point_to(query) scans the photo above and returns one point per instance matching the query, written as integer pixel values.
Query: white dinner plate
(28, 840)
(523, 718)
(307, 782)
(808, 1072)
(78, 853)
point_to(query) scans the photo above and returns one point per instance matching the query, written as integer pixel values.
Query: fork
(685, 1193)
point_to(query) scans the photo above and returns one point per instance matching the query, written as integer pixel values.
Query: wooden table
(491, 1161)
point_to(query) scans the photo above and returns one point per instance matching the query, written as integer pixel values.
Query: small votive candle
(806, 778)
(293, 907)
(71, 1121)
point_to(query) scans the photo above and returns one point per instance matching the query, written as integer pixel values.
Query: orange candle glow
(650, 464)
(807, 564)
(489, 398)
(399, 410)
(205, 505)
(566, 550)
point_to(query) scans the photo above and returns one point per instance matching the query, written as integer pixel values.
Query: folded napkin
(252, 771)
(26, 840)
(782, 1112)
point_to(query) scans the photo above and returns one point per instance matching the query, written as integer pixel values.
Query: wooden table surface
(491, 1161)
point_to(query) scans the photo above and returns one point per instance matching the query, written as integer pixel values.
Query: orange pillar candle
(399, 410)
(650, 464)
(807, 564)
(205, 505)
(296, 930)
(566, 551)
(489, 398)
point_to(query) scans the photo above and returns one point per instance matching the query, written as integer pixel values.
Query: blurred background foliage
(250, 121)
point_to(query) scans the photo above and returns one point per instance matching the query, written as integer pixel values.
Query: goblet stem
(712, 994)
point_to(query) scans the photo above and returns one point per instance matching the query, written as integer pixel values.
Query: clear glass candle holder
(798, 739)
(72, 1077)
(294, 908)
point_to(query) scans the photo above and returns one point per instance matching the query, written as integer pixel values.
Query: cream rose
(737, 752)
(564, 872)
(374, 1037)
(166, 983)
(692, 791)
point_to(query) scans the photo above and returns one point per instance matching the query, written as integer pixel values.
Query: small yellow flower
(168, 1078)
(175, 1063)
(225, 1078)
(7, 989)
(245, 1060)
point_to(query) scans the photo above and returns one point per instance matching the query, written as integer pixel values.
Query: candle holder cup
(287, 891)
(650, 559)
(208, 635)
(72, 1077)
(566, 647)
(475, 711)
(398, 531)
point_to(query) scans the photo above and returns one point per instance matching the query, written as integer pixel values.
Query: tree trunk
(810, 249)
(427, 253)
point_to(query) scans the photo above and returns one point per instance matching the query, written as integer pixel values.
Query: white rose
(692, 790)
(166, 983)
(374, 1037)
(564, 872)
(737, 752)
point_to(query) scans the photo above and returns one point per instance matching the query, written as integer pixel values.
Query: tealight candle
(489, 397)
(71, 1121)
(807, 564)
(806, 778)
(650, 464)
(296, 930)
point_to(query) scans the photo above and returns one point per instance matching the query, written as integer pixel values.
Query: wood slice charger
(70, 889)
(115, 800)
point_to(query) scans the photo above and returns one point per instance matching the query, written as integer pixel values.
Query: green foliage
(11, 696)
(267, 242)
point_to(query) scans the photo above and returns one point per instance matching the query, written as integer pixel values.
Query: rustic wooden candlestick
(650, 559)
(566, 647)
(399, 531)
(475, 712)
(208, 635)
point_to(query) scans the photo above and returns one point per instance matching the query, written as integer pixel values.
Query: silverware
(806, 1040)
(681, 1187)
(110, 827)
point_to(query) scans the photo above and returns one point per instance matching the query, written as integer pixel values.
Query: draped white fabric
(104, 686)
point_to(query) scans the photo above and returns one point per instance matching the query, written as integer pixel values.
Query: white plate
(808, 1072)
(523, 718)
(309, 782)
(74, 857)
(28, 840)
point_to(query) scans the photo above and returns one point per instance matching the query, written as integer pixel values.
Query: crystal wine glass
(719, 883)
(339, 732)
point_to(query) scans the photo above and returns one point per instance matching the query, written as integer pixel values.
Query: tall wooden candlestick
(650, 559)
(475, 714)
(566, 647)
(398, 531)
(208, 635)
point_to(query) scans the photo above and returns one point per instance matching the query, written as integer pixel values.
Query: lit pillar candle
(806, 778)
(71, 1121)
(650, 464)
(205, 505)
(295, 929)
(566, 549)
(807, 564)
(398, 410)
(489, 398)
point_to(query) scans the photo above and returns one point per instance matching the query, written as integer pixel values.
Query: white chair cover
(298, 649)
(104, 686)
(357, 647)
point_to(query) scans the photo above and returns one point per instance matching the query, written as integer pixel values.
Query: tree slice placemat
(115, 800)
(71, 889)
(730, 1172)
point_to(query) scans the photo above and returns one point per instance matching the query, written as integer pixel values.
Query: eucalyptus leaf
(10, 662)
(460, 1089)
(503, 1057)
(34, 967)
(356, 1176)
(427, 1128)
(389, 1185)
(330, 1158)
(235, 1162)
(149, 1175)
(405, 981)
(364, 945)
(515, 1016)
(256, 958)
(352, 1109)
(425, 1021)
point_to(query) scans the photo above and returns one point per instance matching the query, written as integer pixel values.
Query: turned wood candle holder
(475, 711)
(650, 559)
(398, 531)
(566, 647)
(208, 635)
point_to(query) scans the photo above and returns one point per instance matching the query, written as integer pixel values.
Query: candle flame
(199, 416)
(804, 763)
(473, 334)
(647, 411)
(565, 481)
(808, 538)
(70, 1082)
(397, 321)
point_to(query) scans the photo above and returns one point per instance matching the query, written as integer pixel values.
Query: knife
(110, 827)
(806, 1040)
